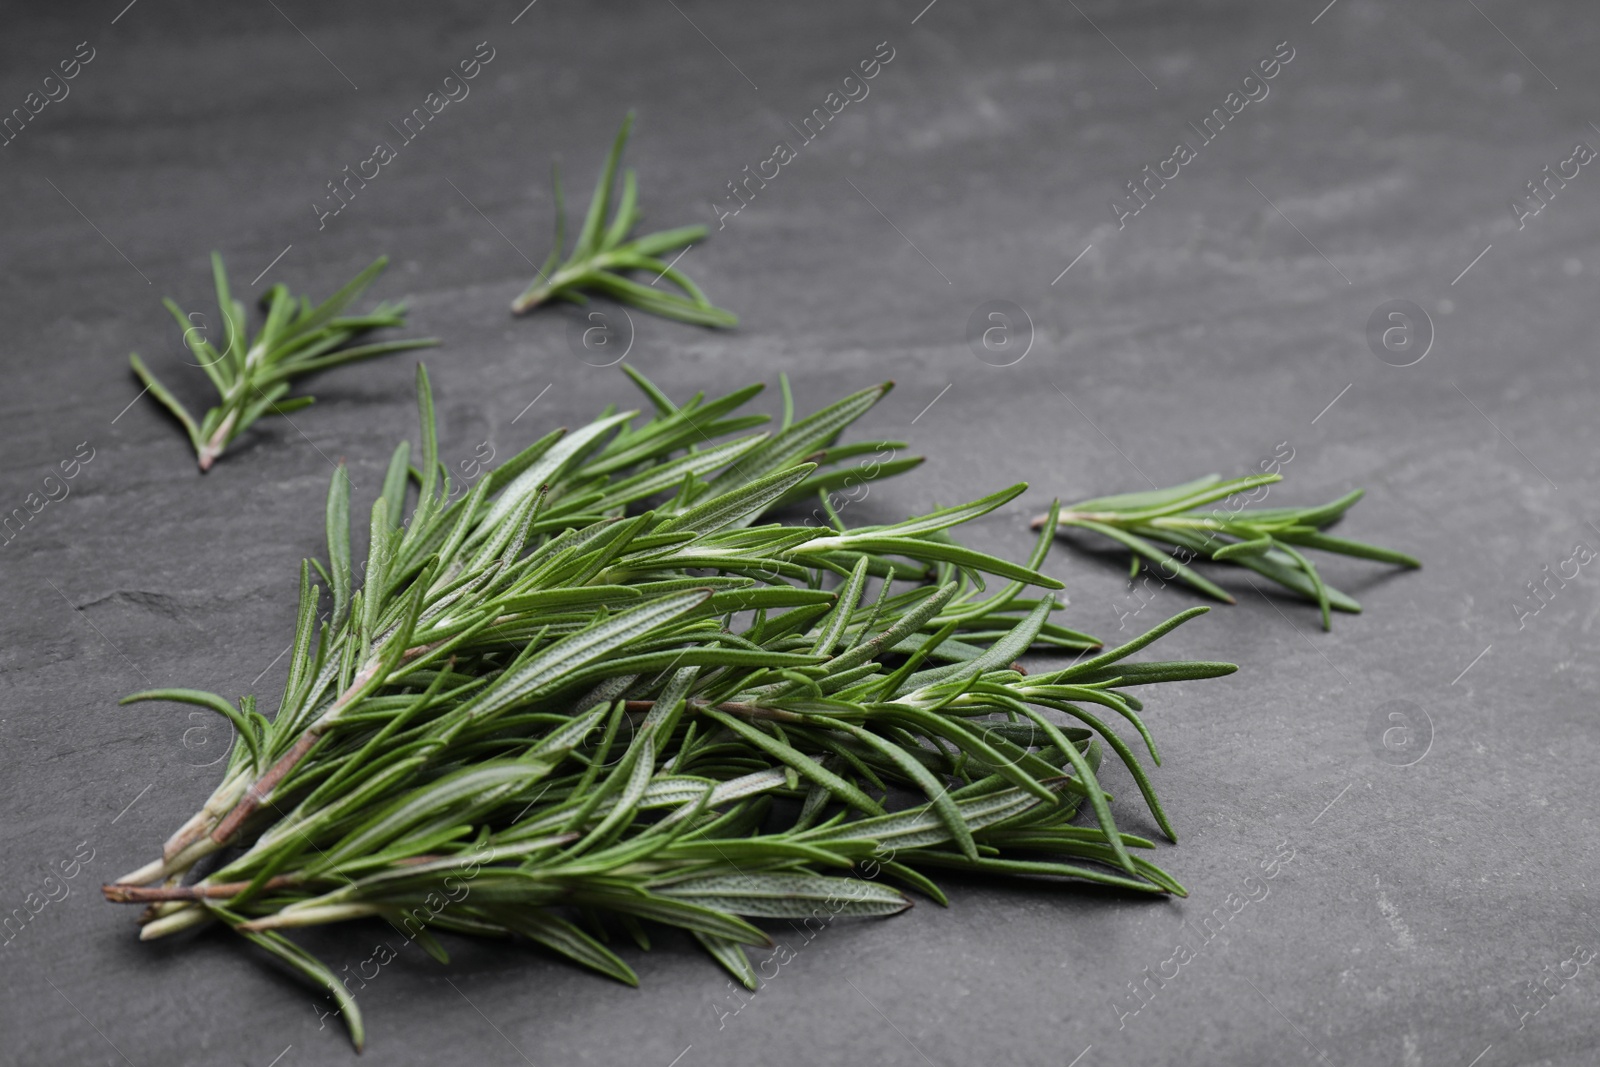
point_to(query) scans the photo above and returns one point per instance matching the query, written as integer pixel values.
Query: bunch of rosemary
(551, 711)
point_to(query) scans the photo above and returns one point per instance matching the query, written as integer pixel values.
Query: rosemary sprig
(252, 377)
(548, 714)
(1265, 540)
(603, 255)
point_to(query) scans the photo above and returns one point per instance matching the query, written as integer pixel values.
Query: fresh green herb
(1266, 540)
(252, 378)
(551, 713)
(603, 255)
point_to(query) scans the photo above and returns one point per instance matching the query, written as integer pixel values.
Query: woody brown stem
(263, 786)
(135, 894)
(200, 823)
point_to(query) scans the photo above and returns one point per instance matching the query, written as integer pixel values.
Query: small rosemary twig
(252, 377)
(1265, 540)
(603, 255)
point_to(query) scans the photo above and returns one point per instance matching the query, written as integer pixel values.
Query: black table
(1222, 325)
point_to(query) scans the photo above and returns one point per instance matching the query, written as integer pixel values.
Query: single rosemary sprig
(252, 377)
(603, 255)
(548, 714)
(1266, 540)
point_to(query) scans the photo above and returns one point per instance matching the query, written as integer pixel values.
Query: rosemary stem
(190, 856)
(135, 894)
(1179, 522)
(219, 440)
(543, 290)
(176, 864)
(314, 916)
(540, 291)
(1071, 518)
(192, 915)
(532, 298)
(150, 872)
(263, 786)
(199, 824)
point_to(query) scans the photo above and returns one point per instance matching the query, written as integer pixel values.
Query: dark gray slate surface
(1219, 324)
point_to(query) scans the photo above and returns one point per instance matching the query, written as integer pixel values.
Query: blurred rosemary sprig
(549, 714)
(252, 377)
(603, 255)
(1266, 540)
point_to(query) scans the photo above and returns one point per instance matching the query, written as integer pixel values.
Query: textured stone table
(1222, 325)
